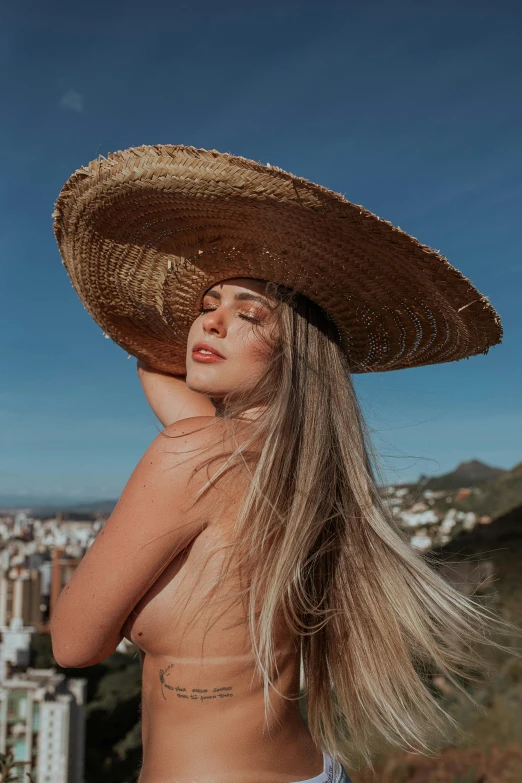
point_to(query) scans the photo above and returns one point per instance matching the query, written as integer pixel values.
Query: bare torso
(202, 705)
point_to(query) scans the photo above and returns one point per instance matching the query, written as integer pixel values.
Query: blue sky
(413, 111)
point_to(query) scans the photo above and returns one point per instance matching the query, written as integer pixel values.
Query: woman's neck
(249, 415)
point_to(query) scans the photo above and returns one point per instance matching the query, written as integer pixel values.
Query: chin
(196, 381)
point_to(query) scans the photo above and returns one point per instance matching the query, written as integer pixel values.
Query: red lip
(207, 347)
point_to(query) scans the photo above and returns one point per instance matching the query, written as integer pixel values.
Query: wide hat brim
(144, 232)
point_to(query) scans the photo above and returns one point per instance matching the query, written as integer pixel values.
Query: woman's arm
(169, 396)
(152, 523)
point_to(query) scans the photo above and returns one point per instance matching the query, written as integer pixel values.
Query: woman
(251, 541)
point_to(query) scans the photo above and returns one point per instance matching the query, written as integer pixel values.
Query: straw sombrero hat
(144, 232)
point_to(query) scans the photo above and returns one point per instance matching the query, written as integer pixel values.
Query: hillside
(496, 496)
(490, 497)
(467, 474)
(489, 746)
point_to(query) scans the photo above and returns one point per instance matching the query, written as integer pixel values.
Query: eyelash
(241, 315)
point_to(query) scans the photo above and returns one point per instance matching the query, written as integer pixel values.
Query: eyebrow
(241, 297)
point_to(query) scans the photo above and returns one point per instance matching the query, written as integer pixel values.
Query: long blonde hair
(373, 618)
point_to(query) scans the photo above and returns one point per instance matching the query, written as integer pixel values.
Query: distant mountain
(44, 508)
(497, 496)
(95, 507)
(486, 498)
(495, 491)
(467, 474)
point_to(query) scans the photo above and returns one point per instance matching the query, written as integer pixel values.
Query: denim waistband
(333, 772)
(342, 776)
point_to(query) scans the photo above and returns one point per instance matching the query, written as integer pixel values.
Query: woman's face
(235, 316)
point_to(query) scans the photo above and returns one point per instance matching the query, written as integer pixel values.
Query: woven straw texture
(144, 232)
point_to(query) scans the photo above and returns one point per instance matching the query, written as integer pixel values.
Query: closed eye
(247, 317)
(241, 315)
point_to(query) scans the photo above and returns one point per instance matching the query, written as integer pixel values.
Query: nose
(214, 322)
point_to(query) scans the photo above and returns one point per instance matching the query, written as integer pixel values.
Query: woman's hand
(169, 396)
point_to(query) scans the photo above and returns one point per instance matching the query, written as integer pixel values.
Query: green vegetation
(7, 773)
(488, 746)
(114, 750)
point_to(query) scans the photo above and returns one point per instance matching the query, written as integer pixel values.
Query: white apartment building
(15, 647)
(20, 596)
(42, 720)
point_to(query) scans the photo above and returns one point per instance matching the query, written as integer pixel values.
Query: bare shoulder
(202, 431)
(203, 441)
(193, 432)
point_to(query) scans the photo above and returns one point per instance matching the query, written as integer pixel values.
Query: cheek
(252, 348)
(191, 333)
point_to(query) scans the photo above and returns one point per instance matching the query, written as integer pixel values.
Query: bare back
(202, 704)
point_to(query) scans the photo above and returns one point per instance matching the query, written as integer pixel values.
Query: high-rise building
(15, 647)
(6, 599)
(42, 720)
(62, 570)
(20, 596)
